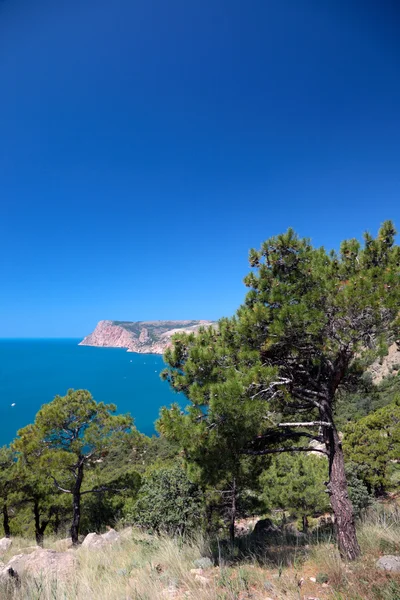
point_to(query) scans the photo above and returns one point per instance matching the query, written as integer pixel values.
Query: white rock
(389, 563)
(111, 536)
(5, 543)
(94, 540)
(203, 580)
(41, 562)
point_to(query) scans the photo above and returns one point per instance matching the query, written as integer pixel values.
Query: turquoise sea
(32, 372)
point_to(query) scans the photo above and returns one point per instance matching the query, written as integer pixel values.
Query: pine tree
(269, 377)
(372, 443)
(296, 483)
(72, 433)
(34, 486)
(7, 484)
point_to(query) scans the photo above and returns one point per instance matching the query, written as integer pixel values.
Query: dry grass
(145, 567)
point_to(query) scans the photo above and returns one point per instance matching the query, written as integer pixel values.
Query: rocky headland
(145, 337)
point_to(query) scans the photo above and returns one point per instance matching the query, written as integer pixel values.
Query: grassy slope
(144, 567)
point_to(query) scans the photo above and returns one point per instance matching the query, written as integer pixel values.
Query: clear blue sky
(146, 145)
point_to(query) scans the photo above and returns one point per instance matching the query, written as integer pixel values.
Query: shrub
(168, 501)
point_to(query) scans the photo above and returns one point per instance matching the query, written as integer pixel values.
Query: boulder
(111, 536)
(389, 563)
(5, 543)
(95, 540)
(40, 562)
(264, 527)
(63, 544)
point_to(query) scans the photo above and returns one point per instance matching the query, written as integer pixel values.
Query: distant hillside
(145, 337)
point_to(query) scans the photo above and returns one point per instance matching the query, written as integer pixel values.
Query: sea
(33, 371)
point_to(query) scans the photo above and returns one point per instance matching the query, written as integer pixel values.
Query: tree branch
(279, 450)
(307, 424)
(59, 486)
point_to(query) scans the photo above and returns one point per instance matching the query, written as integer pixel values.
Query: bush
(168, 502)
(358, 492)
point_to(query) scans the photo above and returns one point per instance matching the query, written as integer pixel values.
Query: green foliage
(300, 336)
(8, 484)
(296, 484)
(73, 441)
(168, 501)
(7, 472)
(77, 430)
(373, 443)
(358, 491)
(355, 404)
(34, 484)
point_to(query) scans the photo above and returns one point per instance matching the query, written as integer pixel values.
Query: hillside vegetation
(284, 466)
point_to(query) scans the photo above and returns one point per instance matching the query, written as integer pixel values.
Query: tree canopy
(71, 434)
(266, 380)
(373, 444)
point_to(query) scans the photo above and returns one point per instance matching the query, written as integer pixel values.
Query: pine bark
(305, 524)
(6, 521)
(39, 527)
(233, 513)
(338, 491)
(76, 505)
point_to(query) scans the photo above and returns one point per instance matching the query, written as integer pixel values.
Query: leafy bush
(358, 491)
(168, 501)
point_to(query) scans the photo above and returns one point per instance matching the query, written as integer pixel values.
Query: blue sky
(145, 146)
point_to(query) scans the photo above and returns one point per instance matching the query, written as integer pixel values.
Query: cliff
(145, 337)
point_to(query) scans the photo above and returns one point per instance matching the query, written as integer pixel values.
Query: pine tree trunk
(76, 506)
(339, 497)
(6, 521)
(233, 513)
(57, 522)
(305, 523)
(38, 532)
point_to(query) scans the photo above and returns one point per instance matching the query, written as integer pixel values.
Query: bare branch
(279, 450)
(307, 424)
(59, 486)
(104, 488)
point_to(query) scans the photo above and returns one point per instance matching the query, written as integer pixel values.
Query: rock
(389, 563)
(40, 562)
(5, 543)
(263, 527)
(313, 579)
(64, 544)
(203, 580)
(146, 337)
(111, 536)
(388, 365)
(291, 529)
(95, 540)
(203, 563)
